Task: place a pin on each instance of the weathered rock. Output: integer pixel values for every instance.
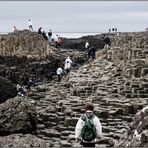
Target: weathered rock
(17, 115)
(137, 134)
(21, 140)
(7, 89)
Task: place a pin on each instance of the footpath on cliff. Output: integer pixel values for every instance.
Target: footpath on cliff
(116, 82)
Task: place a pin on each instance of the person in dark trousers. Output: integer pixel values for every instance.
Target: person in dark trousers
(50, 35)
(107, 41)
(30, 84)
(93, 53)
(44, 35)
(88, 52)
(40, 31)
(80, 134)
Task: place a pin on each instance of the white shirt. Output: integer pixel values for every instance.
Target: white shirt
(30, 23)
(81, 123)
(59, 71)
(68, 62)
(86, 45)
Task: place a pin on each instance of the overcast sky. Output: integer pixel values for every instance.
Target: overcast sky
(74, 16)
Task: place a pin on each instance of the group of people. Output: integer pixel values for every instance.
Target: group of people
(43, 33)
(67, 67)
(21, 91)
(112, 30)
(91, 52)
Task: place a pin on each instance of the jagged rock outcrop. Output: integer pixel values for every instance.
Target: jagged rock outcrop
(17, 115)
(7, 89)
(24, 43)
(137, 134)
(109, 82)
(25, 54)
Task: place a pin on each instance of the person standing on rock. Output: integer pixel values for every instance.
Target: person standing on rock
(40, 31)
(88, 128)
(93, 53)
(59, 73)
(107, 42)
(50, 35)
(67, 65)
(30, 25)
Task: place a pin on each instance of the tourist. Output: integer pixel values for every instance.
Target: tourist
(44, 35)
(40, 31)
(30, 25)
(67, 65)
(87, 45)
(20, 90)
(59, 73)
(14, 29)
(93, 53)
(57, 41)
(107, 42)
(115, 29)
(89, 53)
(50, 35)
(109, 30)
(30, 84)
(88, 137)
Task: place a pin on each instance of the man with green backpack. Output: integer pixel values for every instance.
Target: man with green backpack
(88, 127)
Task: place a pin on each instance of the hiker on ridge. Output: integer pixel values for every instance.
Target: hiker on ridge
(30, 25)
(40, 31)
(88, 128)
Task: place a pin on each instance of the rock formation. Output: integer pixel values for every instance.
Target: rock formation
(137, 134)
(17, 115)
(115, 82)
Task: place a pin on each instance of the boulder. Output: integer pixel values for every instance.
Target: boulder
(17, 115)
(7, 89)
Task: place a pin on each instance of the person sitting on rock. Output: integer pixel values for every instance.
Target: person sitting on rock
(59, 73)
(20, 90)
(67, 65)
(88, 128)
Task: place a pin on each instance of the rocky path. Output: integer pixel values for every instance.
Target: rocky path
(60, 104)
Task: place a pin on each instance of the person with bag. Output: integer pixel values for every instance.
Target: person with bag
(88, 127)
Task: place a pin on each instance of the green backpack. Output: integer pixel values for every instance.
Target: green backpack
(88, 132)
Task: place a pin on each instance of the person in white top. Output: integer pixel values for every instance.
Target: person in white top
(14, 29)
(80, 124)
(68, 63)
(59, 73)
(86, 45)
(30, 25)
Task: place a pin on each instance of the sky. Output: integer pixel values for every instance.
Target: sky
(74, 16)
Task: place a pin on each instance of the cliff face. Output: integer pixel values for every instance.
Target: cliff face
(25, 54)
(115, 82)
(24, 43)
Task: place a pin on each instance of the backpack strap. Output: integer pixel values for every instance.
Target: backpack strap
(84, 117)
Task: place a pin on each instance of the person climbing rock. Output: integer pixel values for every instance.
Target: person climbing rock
(30, 84)
(67, 65)
(20, 90)
(59, 73)
(49, 35)
(88, 128)
(93, 53)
